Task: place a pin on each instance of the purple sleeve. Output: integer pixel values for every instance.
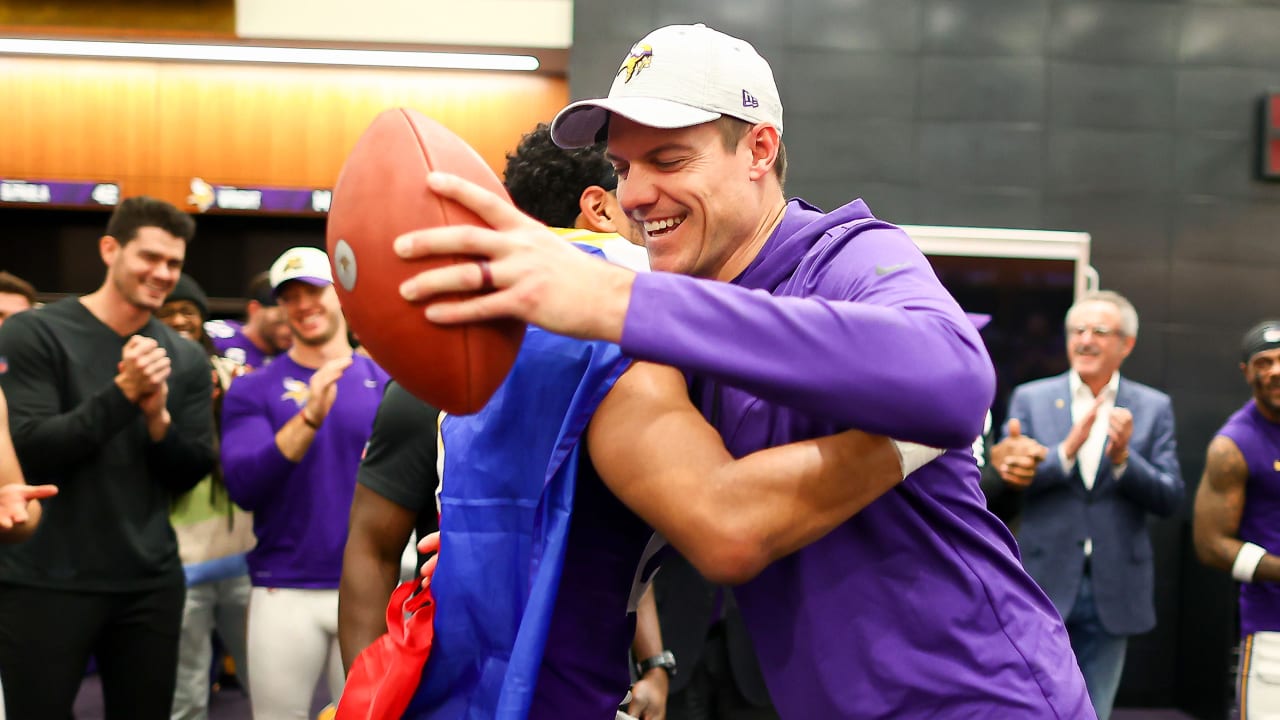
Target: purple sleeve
(252, 465)
(867, 338)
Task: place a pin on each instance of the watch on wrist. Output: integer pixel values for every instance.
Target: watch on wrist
(664, 660)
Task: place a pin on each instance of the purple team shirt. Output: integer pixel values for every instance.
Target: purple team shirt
(230, 341)
(1259, 441)
(918, 606)
(300, 510)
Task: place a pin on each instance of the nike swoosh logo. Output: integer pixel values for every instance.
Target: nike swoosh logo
(886, 269)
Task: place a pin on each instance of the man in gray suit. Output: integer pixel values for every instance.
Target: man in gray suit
(1111, 459)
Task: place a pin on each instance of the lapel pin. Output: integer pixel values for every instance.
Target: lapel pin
(1059, 403)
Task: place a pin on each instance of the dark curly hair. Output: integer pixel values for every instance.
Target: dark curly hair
(546, 181)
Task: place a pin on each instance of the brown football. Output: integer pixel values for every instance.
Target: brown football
(382, 193)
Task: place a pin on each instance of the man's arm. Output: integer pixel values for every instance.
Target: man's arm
(1218, 508)
(730, 518)
(1155, 482)
(650, 691)
(252, 463)
(295, 438)
(856, 363)
(394, 486)
(50, 442)
(19, 502)
(185, 454)
(851, 352)
(379, 531)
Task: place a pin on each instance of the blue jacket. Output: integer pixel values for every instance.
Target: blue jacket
(1060, 513)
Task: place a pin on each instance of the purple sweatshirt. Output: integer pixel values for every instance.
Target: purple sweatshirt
(299, 509)
(917, 606)
(1259, 441)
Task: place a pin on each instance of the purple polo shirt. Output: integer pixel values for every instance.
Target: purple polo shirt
(1259, 441)
(300, 509)
(917, 606)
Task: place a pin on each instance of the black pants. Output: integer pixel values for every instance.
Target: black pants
(47, 636)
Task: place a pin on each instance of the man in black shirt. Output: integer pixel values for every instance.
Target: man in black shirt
(113, 407)
(395, 496)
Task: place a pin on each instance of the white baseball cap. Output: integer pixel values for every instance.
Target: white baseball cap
(308, 264)
(678, 76)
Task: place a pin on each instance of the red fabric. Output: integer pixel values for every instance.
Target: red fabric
(385, 675)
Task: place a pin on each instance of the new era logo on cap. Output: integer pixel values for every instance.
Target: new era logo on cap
(749, 100)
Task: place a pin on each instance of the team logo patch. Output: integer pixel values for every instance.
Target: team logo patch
(640, 58)
(297, 391)
(293, 263)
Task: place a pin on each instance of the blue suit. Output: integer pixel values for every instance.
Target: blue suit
(1115, 598)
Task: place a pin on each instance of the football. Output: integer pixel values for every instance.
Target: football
(381, 194)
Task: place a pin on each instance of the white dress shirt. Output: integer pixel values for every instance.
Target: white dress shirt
(1090, 453)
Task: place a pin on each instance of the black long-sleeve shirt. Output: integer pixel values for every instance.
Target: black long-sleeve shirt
(108, 528)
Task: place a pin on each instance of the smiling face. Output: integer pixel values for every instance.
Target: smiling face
(270, 323)
(313, 313)
(184, 317)
(144, 270)
(699, 206)
(1096, 344)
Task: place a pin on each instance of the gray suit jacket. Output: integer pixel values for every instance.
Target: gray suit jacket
(1059, 513)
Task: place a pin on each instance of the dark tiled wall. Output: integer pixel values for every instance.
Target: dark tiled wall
(1132, 120)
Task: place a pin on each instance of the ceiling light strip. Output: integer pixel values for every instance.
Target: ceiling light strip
(268, 54)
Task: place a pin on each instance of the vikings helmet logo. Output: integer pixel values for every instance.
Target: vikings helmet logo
(640, 58)
(202, 195)
(297, 391)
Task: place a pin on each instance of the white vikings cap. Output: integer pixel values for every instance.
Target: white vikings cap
(678, 76)
(308, 264)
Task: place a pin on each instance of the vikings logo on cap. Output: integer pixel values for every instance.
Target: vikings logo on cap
(640, 58)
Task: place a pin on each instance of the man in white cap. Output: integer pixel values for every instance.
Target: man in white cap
(790, 324)
(292, 436)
